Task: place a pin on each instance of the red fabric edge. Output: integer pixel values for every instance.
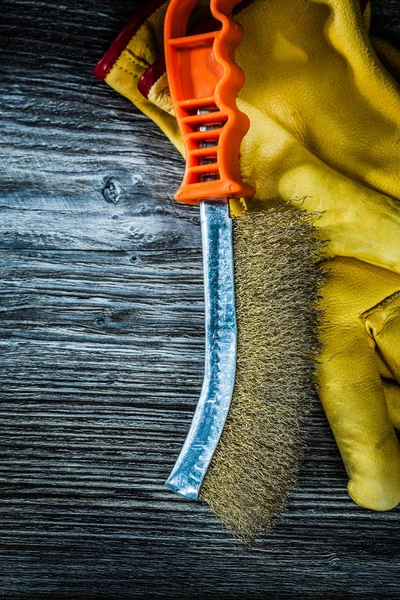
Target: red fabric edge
(153, 74)
(105, 64)
(148, 79)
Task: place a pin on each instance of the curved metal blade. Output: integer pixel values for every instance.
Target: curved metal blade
(220, 352)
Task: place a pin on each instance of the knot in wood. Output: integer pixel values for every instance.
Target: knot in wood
(112, 190)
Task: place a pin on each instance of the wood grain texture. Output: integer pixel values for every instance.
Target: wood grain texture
(101, 349)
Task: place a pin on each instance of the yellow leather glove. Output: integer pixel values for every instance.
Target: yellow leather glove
(324, 114)
(325, 124)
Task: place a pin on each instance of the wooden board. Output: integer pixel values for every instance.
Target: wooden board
(102, 354)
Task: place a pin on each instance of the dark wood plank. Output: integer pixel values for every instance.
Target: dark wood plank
(386, 20)
(101, 349)
(83, 169)
(100, 376)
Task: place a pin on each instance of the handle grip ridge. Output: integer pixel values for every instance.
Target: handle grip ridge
(204, 81)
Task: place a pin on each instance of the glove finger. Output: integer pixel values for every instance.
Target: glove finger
(354, 402)
(351, 389)
(280, 167)
(392, 395)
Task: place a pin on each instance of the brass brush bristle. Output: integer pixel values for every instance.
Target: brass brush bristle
(256, 462)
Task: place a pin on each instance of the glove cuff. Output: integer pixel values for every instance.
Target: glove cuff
(122, 41)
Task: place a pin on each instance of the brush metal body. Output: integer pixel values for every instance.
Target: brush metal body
(220, 353)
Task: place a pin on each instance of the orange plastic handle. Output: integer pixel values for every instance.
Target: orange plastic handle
(204, 82)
